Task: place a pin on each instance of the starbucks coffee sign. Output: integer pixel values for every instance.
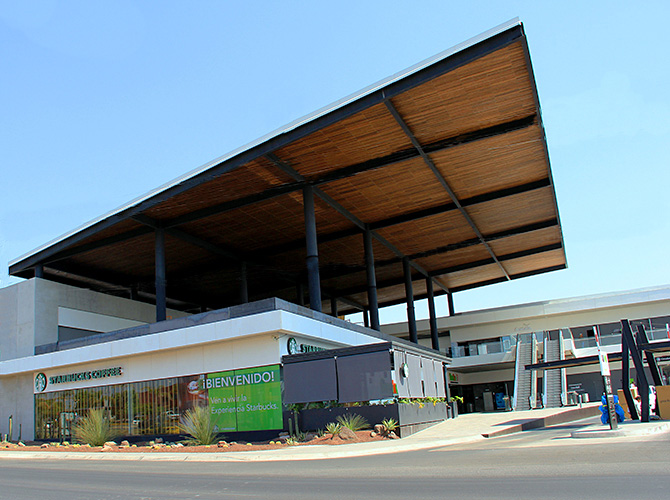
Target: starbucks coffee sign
(293, 347)
(41, 380)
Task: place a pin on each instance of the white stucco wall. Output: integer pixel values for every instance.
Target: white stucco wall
(49, 296)
(17, 320)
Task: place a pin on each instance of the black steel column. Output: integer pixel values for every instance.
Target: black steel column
(333, 307)
(409, 296)
(300, 293)
(432, 317)
(450, 303)
(39, 271)
(366, 319)
(625, 379)
(651, 360)
(642, 384)
(313, 280)
(160, 276)
(372, 279)
(244, 287)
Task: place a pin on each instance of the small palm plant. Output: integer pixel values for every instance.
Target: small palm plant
(390, 425)
(333, 428)
(197, 423)
(94, 429)
(353, 421)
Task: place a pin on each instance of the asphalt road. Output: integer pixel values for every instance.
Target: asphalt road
(538, 464)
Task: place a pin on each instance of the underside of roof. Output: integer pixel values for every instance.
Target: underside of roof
(447, 166)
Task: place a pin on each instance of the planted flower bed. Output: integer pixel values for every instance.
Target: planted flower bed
(411, 417)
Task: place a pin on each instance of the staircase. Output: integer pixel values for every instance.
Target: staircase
(525, 381)
(552, 380)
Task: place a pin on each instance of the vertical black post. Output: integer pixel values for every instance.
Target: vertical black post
(313, 280)
(409, 296)
(642, 384)
(39, 271)
(244, 286)
(649, 356)
(300, 293)
(333, 307)
(372, 280)
(432, 317)
(160, 275)
(625, 379)
(450, 303)
(366, 319)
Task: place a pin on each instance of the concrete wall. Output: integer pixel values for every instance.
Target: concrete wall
(50, 295)
(16, 398)
(17, 321)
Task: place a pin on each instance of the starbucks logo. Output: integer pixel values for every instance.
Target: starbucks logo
(40, 382)
(292, 346)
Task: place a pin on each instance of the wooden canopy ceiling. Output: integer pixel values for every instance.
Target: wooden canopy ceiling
(447, 165)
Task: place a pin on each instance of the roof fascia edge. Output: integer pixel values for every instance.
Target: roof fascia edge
(452, 58)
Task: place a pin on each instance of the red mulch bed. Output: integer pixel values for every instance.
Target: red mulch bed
(361, 437)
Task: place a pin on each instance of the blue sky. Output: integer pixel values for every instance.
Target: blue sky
(104, 101)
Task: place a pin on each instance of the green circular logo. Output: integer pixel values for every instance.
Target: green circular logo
(40, 382)
(292, 346)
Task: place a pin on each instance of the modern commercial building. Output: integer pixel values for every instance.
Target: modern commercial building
(433, 181)
(484, 345)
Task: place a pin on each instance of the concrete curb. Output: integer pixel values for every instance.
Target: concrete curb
(626, 429)
(558, 418)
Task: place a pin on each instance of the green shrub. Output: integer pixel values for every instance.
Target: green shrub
(198, 424)
(353, 421)
(390, 425)
(94, 429)
(333, 428)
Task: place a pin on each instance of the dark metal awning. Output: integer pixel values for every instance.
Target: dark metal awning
(446, 165)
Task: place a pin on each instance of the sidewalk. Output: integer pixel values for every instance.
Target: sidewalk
(467, 428)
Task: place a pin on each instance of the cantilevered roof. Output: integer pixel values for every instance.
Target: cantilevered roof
(446, 163)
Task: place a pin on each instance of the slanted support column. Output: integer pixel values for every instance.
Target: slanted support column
(160, 276)
(450, 303)
(372, 280)
(313, 280)
(642, 383)
(244, 287)
(333, 307)
(39, 271)
(432, 317)
(409, 295)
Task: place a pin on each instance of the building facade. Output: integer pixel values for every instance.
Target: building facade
(483, 344)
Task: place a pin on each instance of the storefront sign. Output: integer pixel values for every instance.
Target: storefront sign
(40, 378)
(294, 348)
(245, 400)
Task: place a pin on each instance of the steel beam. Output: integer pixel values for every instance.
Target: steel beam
(160, 276)
(409, 297)
(312, 259)
(333, 307)
(372, 280)
(450, 303)
(244, 285)
(432, 316)
(642, 383)
(642, 339)
(429, 162)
